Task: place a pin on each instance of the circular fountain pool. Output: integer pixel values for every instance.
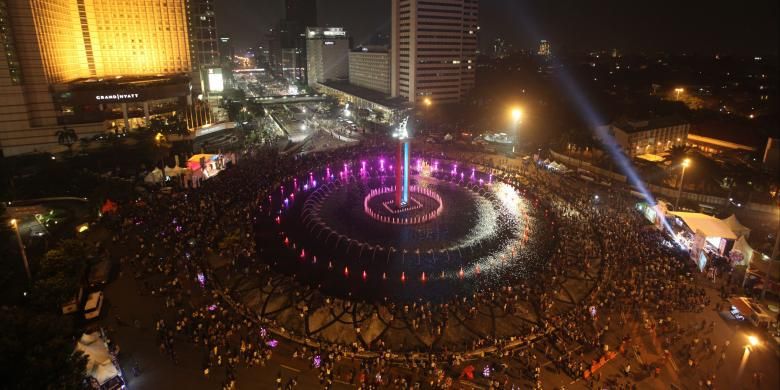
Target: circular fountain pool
(460, 231)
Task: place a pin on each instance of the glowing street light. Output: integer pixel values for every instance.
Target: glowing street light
(427, 102)
(517, 116)
(753, 340)
(15, 225)
(678, 91)
(685, 164)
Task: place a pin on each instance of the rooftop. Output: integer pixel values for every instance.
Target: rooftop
(733, 132)
(636, 126)
(368, 94)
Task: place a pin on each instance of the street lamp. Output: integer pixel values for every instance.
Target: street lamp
(679, 91)
(685, 164)
(517, 116)
(428, 102)
(15, 224)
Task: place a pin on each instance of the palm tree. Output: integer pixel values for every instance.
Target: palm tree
(677, 154)
(67, 137)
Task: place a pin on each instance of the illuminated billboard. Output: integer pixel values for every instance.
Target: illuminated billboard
(215, 81)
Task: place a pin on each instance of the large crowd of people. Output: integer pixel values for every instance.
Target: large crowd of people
(175, 242)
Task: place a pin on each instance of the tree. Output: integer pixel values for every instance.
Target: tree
(38, 351)
(67, 137)
(59, 274)
(677, 154)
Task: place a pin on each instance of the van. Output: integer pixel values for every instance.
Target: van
(93, 306)
(72, 305)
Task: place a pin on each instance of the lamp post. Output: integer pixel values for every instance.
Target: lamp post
(15, 224)
(517, 116)
(678, 91)
(685, 164)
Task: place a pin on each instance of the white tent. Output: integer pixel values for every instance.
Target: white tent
(711, 227)
(175, 171)
(742, 246)
(154, 176)
(99, 364)
(736, 227)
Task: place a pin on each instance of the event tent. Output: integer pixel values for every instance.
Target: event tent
(710, 227)
(194, 162)
(99, 363)
(735, 226)
(154, 176)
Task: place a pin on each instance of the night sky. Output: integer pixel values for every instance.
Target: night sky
(693, 26)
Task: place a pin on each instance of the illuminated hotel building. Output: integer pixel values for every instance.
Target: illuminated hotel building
(92, 65)
(434, 49)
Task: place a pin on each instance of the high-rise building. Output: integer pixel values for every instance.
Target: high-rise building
(227, 52)
(293, 65)
(434, 49)
(299, 14)
(90, 65)
(204, 46)
(327, 54)
(370, 69)
(544, 48)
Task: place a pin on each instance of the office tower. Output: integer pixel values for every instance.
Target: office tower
(544, 48)
(203, 32)
(204, 46)
(434, 49)
(327, 54)
(87, 64)
(370, 69)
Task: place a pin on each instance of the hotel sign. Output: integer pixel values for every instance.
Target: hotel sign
(117, 97)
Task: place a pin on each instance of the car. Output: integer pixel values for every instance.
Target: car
(100, 273)
(93, 306)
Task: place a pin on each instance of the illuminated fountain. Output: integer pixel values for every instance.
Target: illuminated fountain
(384, 218)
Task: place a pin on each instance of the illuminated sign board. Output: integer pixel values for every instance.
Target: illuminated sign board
(216, 82)
(326, 32)
(117, 97)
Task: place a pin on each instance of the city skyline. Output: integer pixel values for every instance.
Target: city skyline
(697, 27)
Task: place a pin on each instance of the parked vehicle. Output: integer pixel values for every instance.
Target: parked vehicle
(72, 305)
(100, 274)
(94, 305)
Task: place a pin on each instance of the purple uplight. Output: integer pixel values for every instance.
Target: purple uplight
(272, 343)
(317, 361)
(201, 279)
(212, 307)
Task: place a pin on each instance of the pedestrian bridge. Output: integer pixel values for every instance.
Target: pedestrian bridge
(287, 99)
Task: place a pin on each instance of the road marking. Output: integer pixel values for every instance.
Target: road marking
(290, 368)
